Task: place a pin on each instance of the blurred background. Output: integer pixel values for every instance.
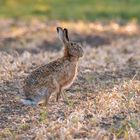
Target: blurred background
(71, 10)
(28, 23)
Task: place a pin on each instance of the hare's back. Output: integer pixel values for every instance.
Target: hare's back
(42, 74)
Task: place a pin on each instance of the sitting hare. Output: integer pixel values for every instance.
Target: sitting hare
(55, 76)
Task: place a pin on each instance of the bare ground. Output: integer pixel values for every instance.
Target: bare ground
(104, 101)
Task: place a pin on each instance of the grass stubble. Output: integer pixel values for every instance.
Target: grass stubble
(104, 101)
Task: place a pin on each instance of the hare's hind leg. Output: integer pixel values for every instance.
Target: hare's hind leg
(49, 94)
(53, 88)
(58, 94)
(28, 92)
(47, 98)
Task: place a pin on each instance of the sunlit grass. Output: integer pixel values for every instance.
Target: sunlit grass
(70, 9)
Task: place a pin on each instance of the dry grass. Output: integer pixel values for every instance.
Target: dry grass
(104, 101)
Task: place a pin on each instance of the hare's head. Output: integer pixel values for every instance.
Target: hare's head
(71, 48)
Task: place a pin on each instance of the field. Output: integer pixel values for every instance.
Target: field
(103, 102)
(71, 10)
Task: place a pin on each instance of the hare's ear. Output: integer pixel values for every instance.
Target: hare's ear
(61, 35)
(66, 34)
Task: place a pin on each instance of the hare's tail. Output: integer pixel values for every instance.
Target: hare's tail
(28, 102)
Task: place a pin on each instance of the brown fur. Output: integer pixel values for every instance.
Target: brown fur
(56, 75)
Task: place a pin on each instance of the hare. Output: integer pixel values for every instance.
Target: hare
(55, 76)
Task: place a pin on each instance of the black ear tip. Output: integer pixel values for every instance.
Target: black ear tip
(65, 29)
(66, 33)
(58, 29)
